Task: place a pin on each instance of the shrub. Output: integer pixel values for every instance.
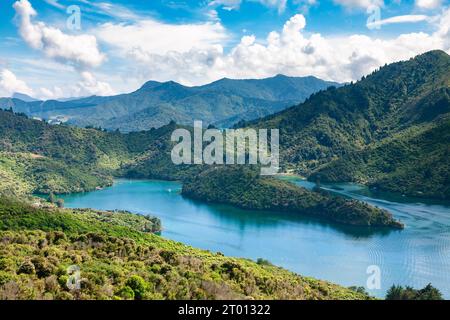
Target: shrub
(42, 266)
(27, 267)
(126, 293)
(138, 285)
(60, 203)
(6, 263)
(263, 262)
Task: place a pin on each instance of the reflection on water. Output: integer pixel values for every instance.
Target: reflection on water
(415, 256)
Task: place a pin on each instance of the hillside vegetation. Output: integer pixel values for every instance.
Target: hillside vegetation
(246, 188)
(389, 130)
(41, 158)
(119, 258)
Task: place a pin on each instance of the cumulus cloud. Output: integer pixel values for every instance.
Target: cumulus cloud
(89, 85)
(154, 37)
(291, 52)
(10, 84)
(428, 4)
(80, 50)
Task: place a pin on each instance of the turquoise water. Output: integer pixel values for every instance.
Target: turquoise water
(415, 256)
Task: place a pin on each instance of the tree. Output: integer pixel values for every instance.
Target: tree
(60, 203)
(52, 197)
(409, 293)
(430, 293)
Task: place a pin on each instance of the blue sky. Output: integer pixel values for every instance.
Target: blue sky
(122, 44)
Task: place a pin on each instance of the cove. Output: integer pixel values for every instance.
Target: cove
(415, 256)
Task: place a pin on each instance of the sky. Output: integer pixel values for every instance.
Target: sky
(52, 49)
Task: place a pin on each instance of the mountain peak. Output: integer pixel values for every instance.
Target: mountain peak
(434, 53)
(151, 84)
(23, 97)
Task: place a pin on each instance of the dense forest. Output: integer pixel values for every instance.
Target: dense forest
(389, 130)
(246, 188)
(38, 158)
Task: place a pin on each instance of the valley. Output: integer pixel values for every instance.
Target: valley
(389, 132)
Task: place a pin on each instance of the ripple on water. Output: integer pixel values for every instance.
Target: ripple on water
(415, 256)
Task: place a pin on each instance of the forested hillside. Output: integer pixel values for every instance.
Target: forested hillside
(244, 187)
(389, 121)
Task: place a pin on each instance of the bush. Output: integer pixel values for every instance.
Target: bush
(138, 285)
(263, 262)
(42, 266)
(126, 293)
(26, 267)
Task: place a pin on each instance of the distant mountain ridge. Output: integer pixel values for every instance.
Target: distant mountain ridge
(221, 103)
(23, 97)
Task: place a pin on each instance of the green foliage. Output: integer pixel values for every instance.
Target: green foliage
(389, 130)
(427, 293)
(414, 162)
(138, 285)
(126, 293)
(244, 187)
(119, 261)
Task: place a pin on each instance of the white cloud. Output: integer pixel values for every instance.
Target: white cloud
(194, 54)
(55, 4)
(359, 3)
(399, 19)
(89, 85)
(428, 4)
(292, 52)
(226, 4)
(153, 37)
(80, 50)
(280, 5)
(110, 9)
(10, 84)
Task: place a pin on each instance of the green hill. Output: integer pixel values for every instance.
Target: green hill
(385, 115)
(119, 258)
(244, 187)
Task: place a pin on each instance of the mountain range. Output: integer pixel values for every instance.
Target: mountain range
(221, 103)
(390, 131)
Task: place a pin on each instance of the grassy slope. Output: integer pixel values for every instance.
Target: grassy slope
(118, 261)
